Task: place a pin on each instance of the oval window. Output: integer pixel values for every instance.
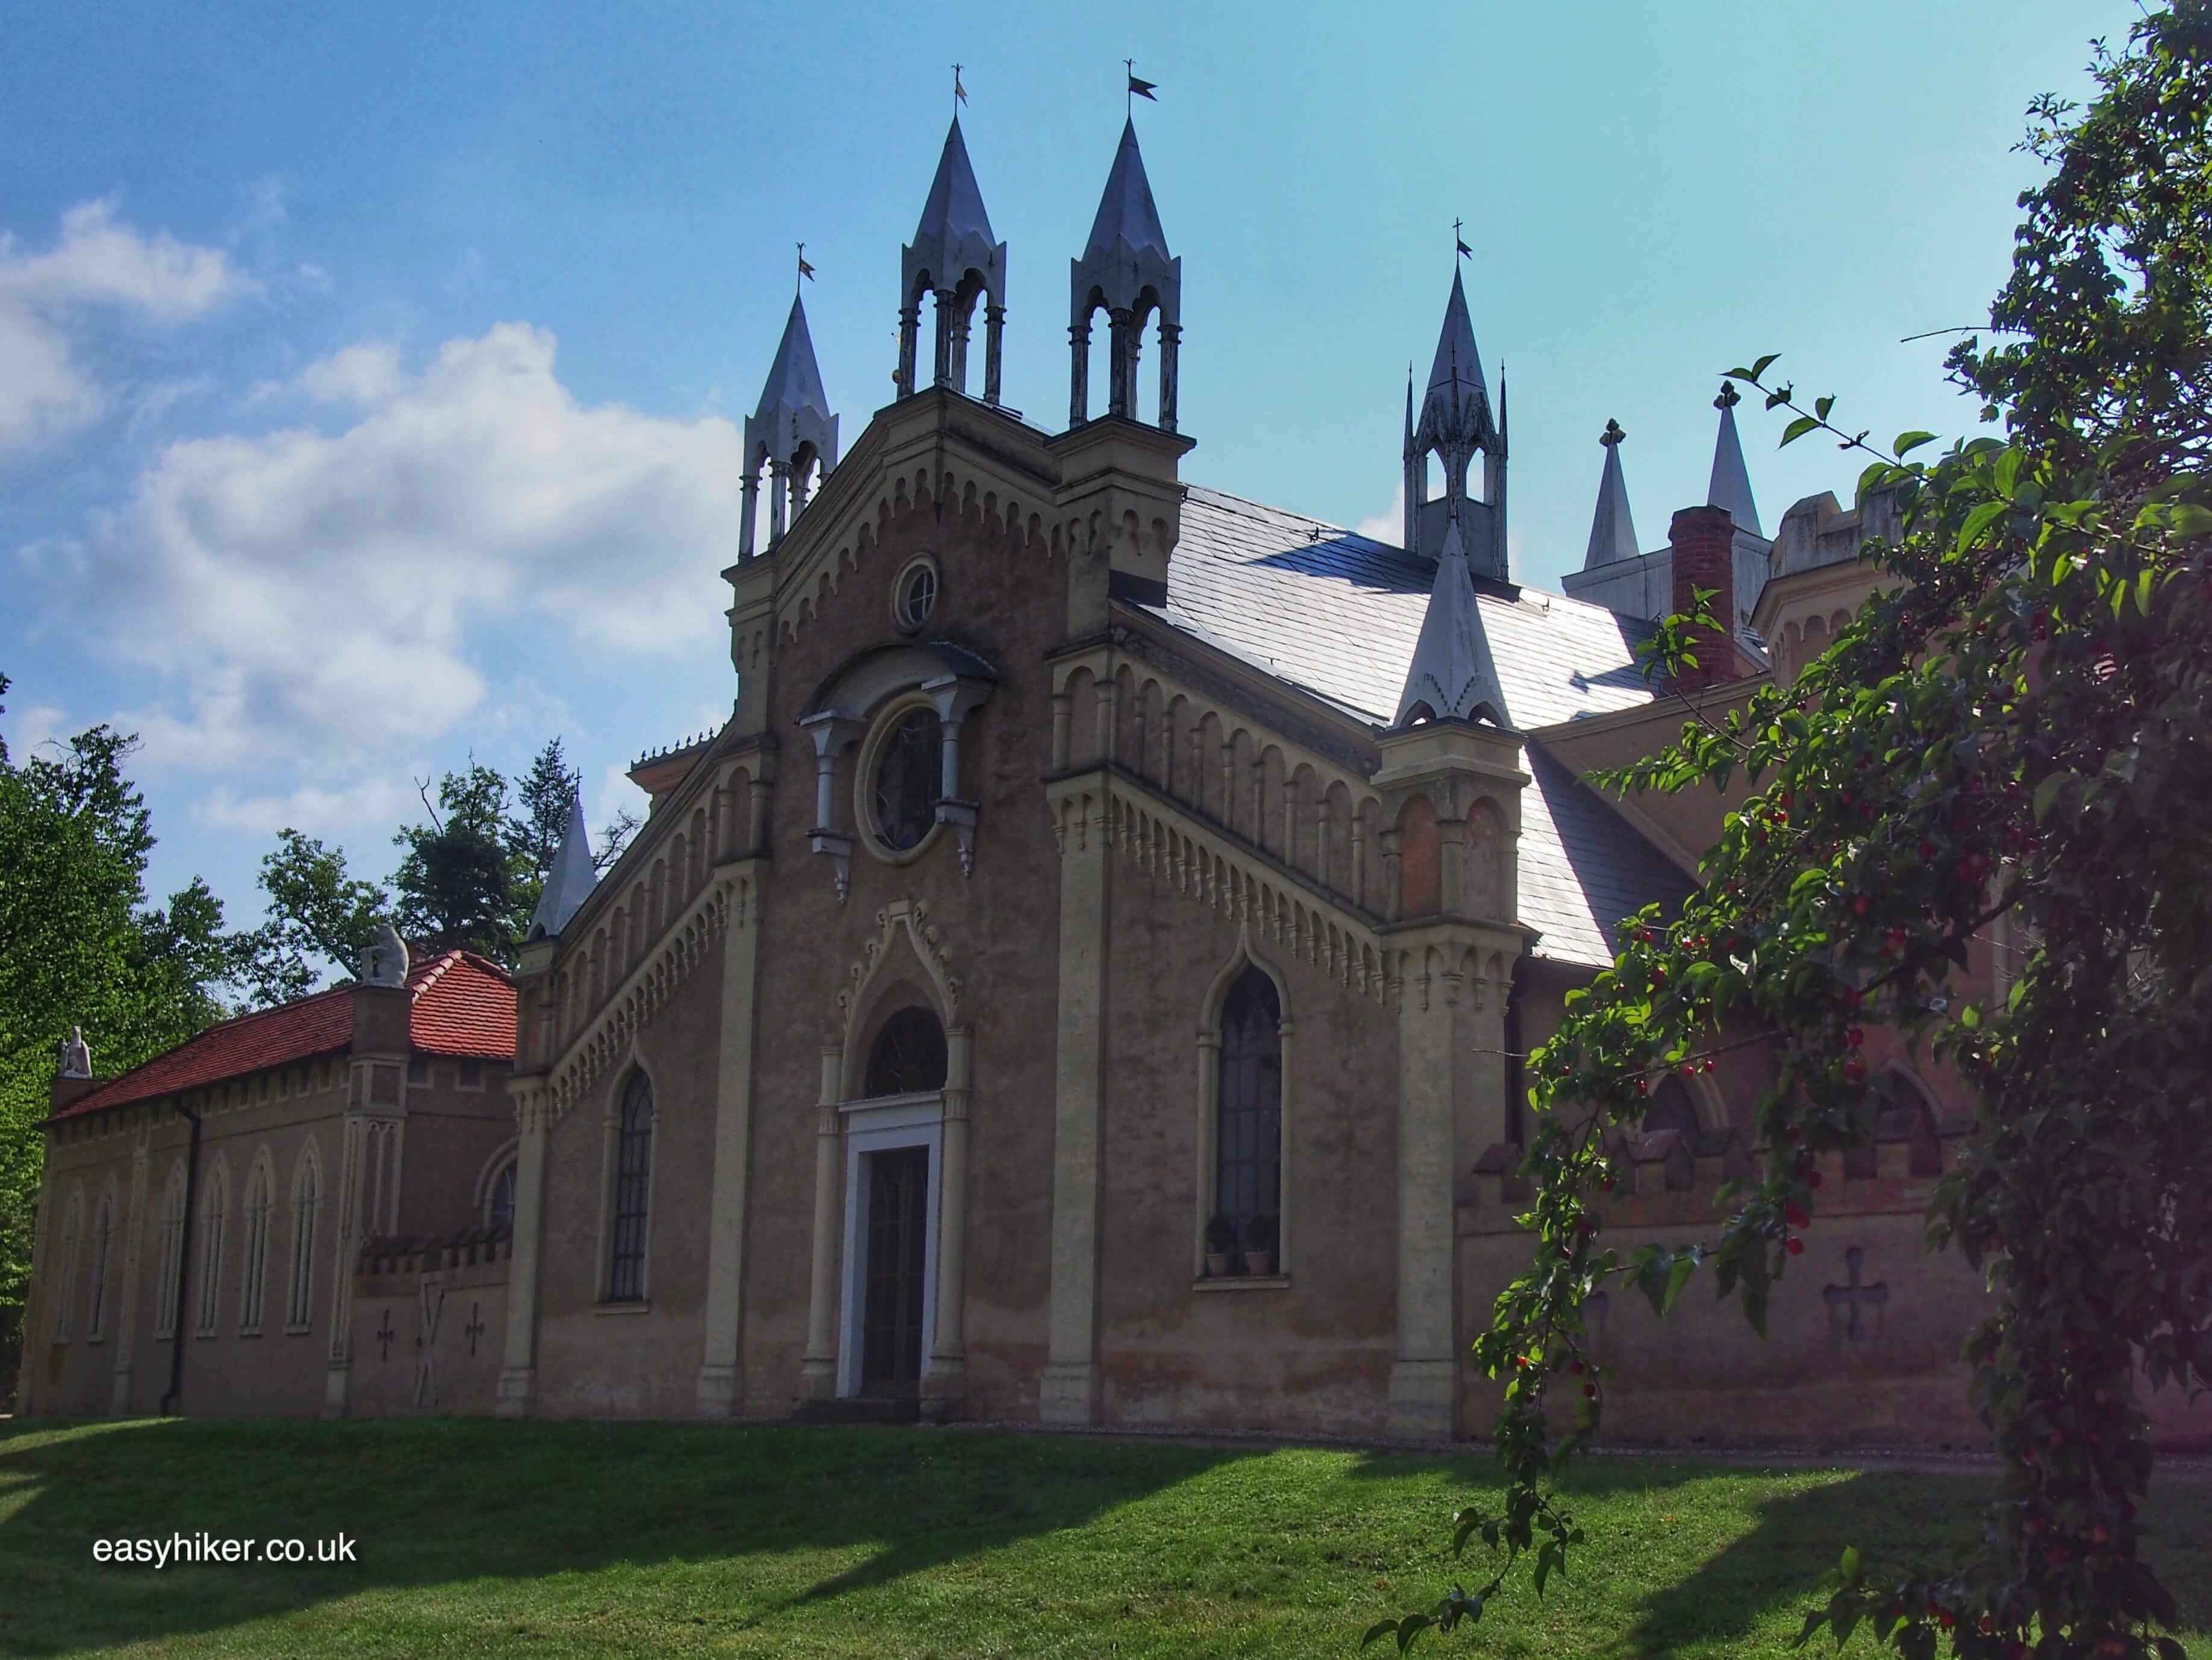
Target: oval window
(917, 596)
(908, 769)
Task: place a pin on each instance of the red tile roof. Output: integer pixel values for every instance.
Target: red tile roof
(460, 1004)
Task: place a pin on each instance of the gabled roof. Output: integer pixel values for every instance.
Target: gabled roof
(1126, 210)
(1451, 675)
(460, 1004)
(1338, 614)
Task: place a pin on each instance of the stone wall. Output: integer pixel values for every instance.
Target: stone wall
(429, 1322)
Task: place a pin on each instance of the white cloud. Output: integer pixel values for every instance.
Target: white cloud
(1389, 524)
(310, 809)
(44, 389)
(321, 599)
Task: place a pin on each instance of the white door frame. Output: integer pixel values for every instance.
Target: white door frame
(883, 1125)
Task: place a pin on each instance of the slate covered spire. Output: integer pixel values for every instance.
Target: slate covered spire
(1731, 483)
(955, 257)
(1452, 676)
(791, 429)
(569, 882)
(1455, 424)
(1613, 528)
(1127, 271)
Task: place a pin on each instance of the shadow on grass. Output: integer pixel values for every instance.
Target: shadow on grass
(438, 1502)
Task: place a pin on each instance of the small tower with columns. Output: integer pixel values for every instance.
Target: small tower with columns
(1453, 422)
(792, 430)
(1125, 271)
(955, 257)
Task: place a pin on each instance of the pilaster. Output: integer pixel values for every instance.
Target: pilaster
(134, 1255)
(721, 1372)
(817, 1367)
(518, 1372)
(944, 1379)
(1070, 1393)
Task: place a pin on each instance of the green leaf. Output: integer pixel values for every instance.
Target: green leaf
(1797, 428)
(1906, 442)
(1686, 1264)
(1760, 366)
(1410, 1628)
(2190, 520)
(1979, 520)
(1822, 405)
(2046, 794)
(1850, 1564)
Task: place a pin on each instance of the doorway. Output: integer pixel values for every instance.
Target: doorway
(897, 1239)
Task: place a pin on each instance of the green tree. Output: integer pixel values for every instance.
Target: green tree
(79, 947)
(462, 881)
(320, 919)
(2019, 728)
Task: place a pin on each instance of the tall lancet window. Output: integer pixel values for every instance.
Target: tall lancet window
(103, 1234)
(214, 1201)
(173, 1245)
(250, 1290)
(633, 1192)
(1248, 1107)
(298, 1308)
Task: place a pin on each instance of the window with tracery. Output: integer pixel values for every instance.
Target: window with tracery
(1249, 1106)
(103, 1231)
(300, 1310)
(632, 1191)
(910, 771)
(908, 1056)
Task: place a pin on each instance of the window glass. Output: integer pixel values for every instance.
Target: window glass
(908, 769)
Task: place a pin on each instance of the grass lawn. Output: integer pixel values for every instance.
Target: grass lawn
(480, 1538)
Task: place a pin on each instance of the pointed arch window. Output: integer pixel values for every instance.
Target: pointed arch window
(1671, 1109)
(633, 1192)
(1901, 1113)
(103, 1234)
(215, 1203)
(498, 1204)
(72, 1228)
(307, 1197)
(908, 1056)
(1248, 1185)
(251, 1289)
(173, 1245)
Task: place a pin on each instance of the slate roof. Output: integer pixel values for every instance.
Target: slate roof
(460, 1004)
(1338, 614)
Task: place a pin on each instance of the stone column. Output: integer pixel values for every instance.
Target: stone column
(1423, 1376)
(946, 299)
(518, 1373)
(1079, 374)
(909, 333)
(1120, 393)
(748, 512)
(134, 1251)
(817, 1368)
(945, 1382)
(1070, 1391)
(721, 1372)
(776, 492)
(963, 322)
(994, 325)
(1171, 351)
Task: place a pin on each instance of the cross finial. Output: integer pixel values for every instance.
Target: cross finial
(1612, 435)
(959, 92)
(1129, 97)
(1460, 249)
(1729, 396)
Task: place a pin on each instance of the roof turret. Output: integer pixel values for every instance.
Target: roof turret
(1731, 483)
(1612, 529)
(791, 429)
(1452, 676)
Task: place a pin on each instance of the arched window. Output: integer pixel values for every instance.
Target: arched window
(72, 1228)
(1901, 1114)
(103, 1231)
(306, 1195)
(499, 1205)
(632, 1191)
(257, 1199)
(908, 1056)
(173, 1245)
(1248, 1107)
(1671, 1109)
(909, 770)
(213, 1203)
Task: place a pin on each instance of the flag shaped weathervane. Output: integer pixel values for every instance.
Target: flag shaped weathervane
(959, 92)
(1460, 242)
(804, 269)
(1139, 88)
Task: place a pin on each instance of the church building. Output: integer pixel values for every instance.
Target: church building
(1084, 982)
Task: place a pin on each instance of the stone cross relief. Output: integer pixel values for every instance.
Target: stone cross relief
(430, 1303)
(384, 1336)
(1856, 1295)
(475, 1328)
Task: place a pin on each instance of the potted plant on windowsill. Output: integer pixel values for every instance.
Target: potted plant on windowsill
(1259, 1247)
(1220, 1242)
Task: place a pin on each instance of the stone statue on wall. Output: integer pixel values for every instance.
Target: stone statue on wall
(76, 1061)
(385, 962)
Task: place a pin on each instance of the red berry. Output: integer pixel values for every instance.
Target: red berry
(1812, 1178)
(1794, 1214)
(1854, 1037)
(1861, 904)
(1591, 1390)
(1794, 1245)
(1855, 1071)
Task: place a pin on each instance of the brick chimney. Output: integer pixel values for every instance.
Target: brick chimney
(1704, 541)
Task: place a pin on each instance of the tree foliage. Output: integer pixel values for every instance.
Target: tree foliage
(81, 946)
(2015, 727)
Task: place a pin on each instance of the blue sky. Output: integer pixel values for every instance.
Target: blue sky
(367, 374)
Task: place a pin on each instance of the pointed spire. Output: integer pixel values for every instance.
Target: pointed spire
(1731, 483)
(794, 379)
(1458, 366)
(1613, 528)
(570, 882)
(1454, 423)
(954, 212)
(1127, 213)
(1452, 675)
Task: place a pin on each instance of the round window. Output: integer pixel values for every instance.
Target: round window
(908, 769)
(916, 595)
